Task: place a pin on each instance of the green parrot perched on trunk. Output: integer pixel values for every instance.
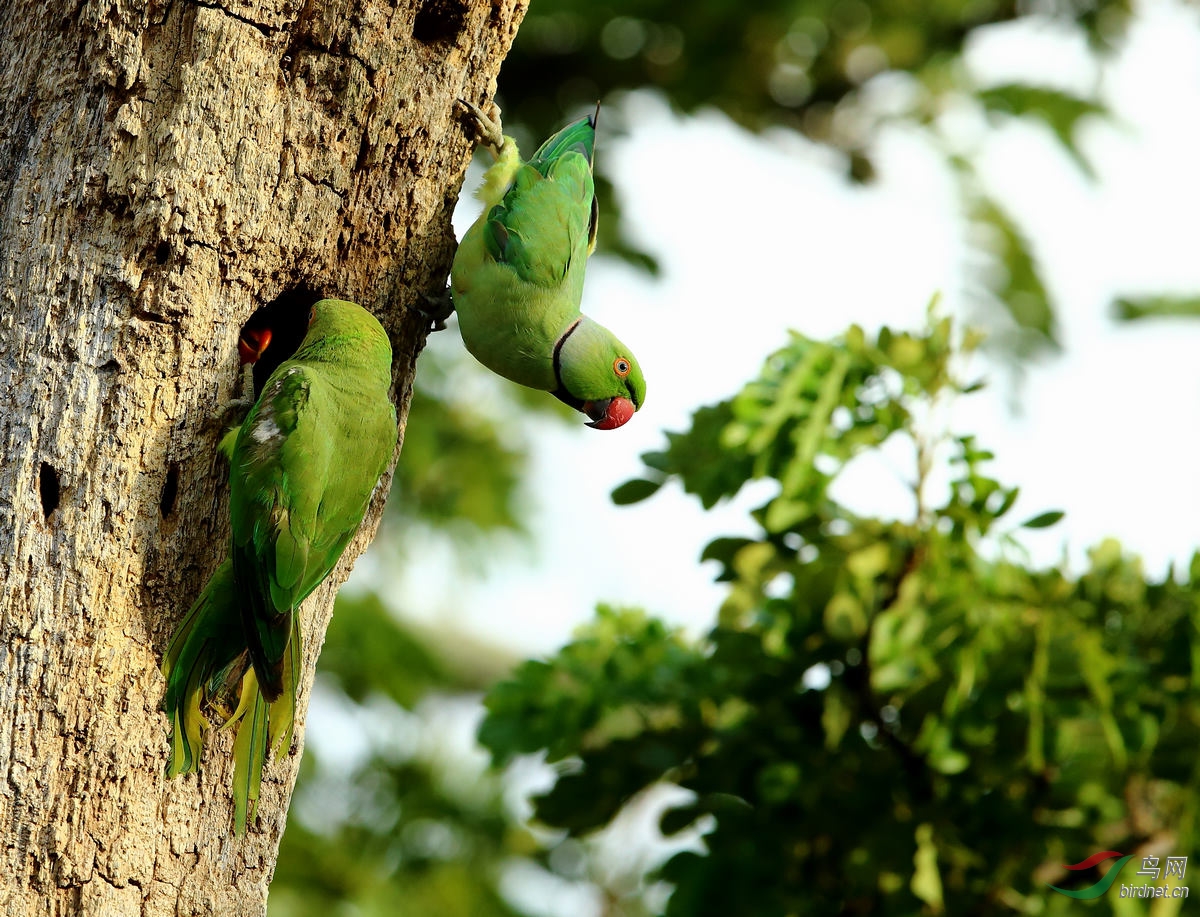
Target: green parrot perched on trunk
(303, 466)
(517, 279)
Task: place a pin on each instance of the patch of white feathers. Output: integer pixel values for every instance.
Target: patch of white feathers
(265, 428)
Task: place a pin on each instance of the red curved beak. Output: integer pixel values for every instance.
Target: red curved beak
(252, 344)
(609, 413)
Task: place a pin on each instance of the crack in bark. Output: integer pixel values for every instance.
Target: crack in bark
(266, 30)
(325, 183)
(155, 318)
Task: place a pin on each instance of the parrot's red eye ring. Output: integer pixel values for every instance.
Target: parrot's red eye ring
(621, 367)
(312, 315)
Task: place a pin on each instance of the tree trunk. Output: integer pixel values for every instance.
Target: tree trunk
(166, 168)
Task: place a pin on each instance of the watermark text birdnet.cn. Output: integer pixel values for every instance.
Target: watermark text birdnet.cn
(1175, 866)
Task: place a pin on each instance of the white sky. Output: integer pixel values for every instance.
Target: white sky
(758, 235)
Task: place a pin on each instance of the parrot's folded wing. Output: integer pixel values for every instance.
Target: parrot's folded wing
(269, 554)
(536, 229)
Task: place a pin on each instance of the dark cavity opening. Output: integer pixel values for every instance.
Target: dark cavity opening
(48, 489)
(162, 252)
(440, 21)
(282, 324)
(166, 503)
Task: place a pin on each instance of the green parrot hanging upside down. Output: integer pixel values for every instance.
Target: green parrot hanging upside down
(303, 467)
(517, 279)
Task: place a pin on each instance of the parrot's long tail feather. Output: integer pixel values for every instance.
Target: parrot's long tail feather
(265, 726)
(249, 751)
(205, 642)
(283, 711)
(578, 136)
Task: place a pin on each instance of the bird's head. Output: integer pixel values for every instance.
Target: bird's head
(598, 375)
(253, 343)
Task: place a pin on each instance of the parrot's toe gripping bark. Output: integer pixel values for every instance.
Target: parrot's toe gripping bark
(481, 128)
(232, 413)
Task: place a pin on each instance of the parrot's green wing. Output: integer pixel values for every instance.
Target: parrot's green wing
(276, 457)
(549, 208)
(283, 711)
(577, 137)
(305, 464)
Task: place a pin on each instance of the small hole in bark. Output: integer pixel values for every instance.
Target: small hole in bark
(48, 489)
(170, 491)
(440, 21)
(281, 324)
(162, 252)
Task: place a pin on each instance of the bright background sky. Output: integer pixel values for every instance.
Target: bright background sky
(758, 235)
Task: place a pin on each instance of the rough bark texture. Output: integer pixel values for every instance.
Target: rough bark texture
(166, 168)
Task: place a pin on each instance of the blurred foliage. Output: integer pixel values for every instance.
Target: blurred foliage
(890, 716)
(809, 65)
(1059, 111)
(398, 832)
(461, 466)
(785, 62)
(406, 847)
(415, 824)
(1132, 309)
(1016, 285)
(367, 654)
(456, 468)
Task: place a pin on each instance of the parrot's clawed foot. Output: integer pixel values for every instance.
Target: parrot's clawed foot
(436, 307)
(481, 128)
(229, 419)
(232, 414)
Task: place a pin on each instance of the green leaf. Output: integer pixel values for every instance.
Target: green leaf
(724, 549)
(1060, 110)
(836, 716)
(1132, 309)
(845, 618)
(635, 491)
(1010, 497)
(1020, 289)
(783, 514)
(927, 880)
(1043, 520)
(659, 461)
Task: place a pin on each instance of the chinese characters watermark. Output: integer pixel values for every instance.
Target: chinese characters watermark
(1176, 866)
